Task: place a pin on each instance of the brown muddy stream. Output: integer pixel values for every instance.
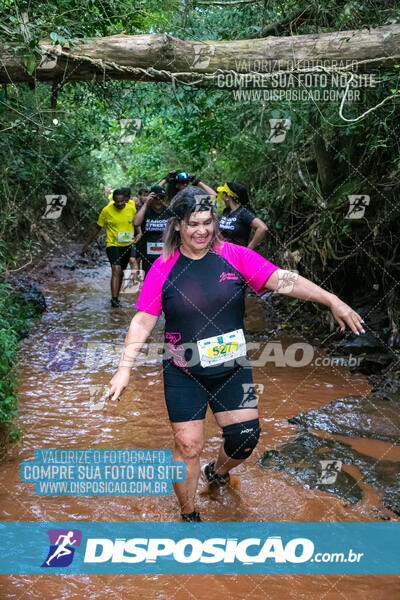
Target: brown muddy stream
(54, 412)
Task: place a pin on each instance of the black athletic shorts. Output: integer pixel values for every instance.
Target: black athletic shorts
(187, 396)
(120, 255)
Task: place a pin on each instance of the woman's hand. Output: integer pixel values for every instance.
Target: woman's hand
(118, 383)
(344, 314)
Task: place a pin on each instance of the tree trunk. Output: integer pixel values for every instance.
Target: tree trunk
(160, 57)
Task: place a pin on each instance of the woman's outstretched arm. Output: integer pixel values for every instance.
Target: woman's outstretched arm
(139, 330)
(293, 284)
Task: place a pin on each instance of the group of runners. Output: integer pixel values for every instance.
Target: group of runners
(198, 266)
(135, 227)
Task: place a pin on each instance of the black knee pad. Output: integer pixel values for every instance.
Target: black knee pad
(241, 438)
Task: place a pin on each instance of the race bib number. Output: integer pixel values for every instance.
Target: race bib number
(125, 236)
(221, 348)
(155, 247)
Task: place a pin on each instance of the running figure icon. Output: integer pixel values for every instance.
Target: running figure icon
(62, 549)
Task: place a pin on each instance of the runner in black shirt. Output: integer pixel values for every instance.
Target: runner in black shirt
(152, 217)
(238, 219)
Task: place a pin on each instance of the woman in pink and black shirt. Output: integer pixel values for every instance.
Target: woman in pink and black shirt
(199, 283)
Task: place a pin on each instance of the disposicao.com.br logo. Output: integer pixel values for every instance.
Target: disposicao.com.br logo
(247, 551)
(204, 548)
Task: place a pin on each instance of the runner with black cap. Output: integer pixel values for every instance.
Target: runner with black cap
(152, 218)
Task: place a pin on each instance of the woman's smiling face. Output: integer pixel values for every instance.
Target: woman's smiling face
(197, 231)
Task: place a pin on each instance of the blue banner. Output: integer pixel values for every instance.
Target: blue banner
(205, 548)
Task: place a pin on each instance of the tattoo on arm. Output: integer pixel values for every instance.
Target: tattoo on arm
(286, 281)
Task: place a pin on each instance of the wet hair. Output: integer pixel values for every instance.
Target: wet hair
(122, 192)
(242, 193)
(184, 204)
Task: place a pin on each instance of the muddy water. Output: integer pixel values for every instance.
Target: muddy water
(55, 413)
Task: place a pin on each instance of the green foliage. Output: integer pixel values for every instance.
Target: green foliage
(17, 317)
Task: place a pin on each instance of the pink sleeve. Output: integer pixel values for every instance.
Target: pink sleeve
(255, 268)
(149, 300)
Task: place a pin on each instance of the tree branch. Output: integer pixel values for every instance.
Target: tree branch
(160, 57)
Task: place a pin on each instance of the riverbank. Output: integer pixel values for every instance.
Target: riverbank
(21, 303)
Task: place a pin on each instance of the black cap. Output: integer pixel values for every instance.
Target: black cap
(158, 190)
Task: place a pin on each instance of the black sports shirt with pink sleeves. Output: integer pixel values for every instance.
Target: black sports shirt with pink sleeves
(203, 303)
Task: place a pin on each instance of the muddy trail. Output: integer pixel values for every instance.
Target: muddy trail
(73, 351)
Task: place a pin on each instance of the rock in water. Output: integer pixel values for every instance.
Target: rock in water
(372, 417)
(30, 292)
(69, 264)
(301, 458)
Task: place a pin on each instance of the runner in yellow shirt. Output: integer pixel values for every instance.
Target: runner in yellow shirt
(117, 219)
(137, 202)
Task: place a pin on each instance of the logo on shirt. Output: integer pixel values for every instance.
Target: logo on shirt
(176, 349)
(224, 276)
(156, 224)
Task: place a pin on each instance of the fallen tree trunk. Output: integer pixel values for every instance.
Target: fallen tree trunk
(160, 57)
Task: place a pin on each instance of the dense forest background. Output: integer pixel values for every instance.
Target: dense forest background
(68, 139)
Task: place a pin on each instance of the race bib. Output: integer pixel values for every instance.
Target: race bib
(155, 247)
(221, 348)
(125, 236)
